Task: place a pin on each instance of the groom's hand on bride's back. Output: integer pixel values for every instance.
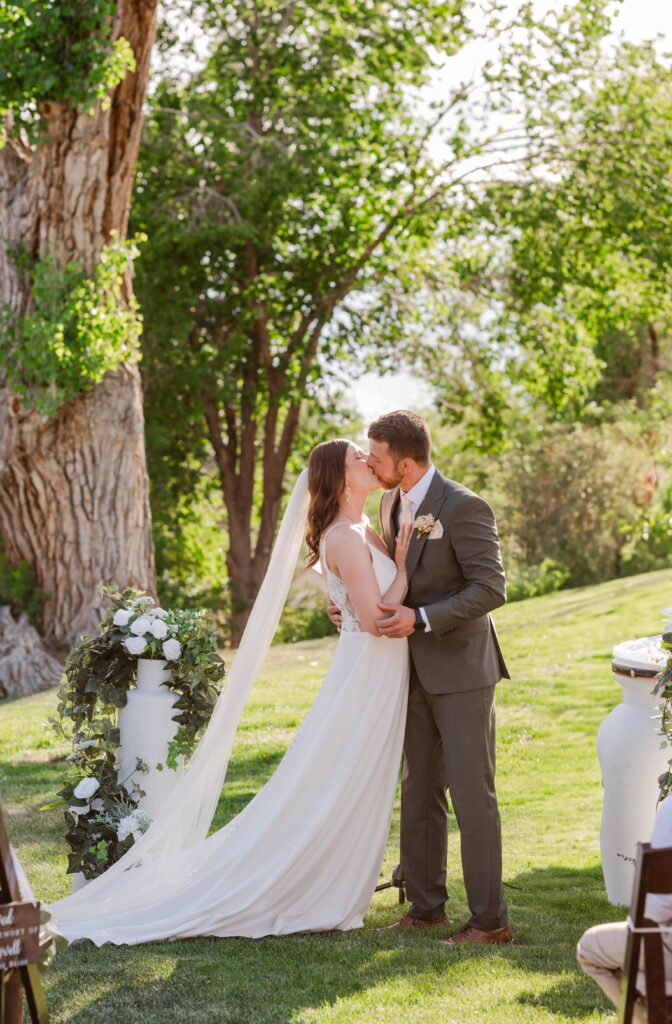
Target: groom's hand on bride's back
(398, 620)
(334, 614)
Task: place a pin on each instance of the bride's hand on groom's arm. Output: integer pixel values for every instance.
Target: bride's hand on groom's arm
(398, 621)
(334, 614)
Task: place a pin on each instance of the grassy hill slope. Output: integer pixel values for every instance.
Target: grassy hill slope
(558, 649)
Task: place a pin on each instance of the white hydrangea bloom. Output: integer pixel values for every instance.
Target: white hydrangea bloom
(128, 826)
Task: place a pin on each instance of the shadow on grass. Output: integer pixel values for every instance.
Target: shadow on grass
(570, 998)
(277, 980)
(551, 909)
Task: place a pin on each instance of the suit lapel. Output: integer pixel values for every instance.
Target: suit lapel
(431, 506)
(388, 519)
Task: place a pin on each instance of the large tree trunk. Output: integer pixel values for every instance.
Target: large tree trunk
(73, 489)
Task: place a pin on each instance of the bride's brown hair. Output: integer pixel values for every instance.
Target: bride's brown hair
(326, 482)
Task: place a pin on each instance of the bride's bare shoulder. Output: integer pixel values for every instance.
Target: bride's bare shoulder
(345, 545)
(346, 536)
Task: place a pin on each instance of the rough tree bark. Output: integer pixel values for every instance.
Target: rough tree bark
(73, 489)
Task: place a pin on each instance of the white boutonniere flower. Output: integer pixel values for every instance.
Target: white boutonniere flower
(424, 524)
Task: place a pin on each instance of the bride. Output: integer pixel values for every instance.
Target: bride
(305, 854)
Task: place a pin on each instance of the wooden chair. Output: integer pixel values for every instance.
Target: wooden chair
(17, 980)
(653, 874)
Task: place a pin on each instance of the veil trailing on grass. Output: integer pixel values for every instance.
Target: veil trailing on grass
(186, 818)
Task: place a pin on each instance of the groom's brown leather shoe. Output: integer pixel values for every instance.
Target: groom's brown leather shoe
(416, 922)
(477, 937)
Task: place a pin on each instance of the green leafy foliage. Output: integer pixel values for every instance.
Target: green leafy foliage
(59, 52)
(565, 496)
(574, 503)
(99, 672)
(288, 176)
(19, 590)
(304, 623)
(79, 327)
(545, 578)
(663, 688)
(560, 294)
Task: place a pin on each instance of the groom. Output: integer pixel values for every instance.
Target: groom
(455, 578)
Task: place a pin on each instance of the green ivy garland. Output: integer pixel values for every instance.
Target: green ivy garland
(80, 327)
(99, 672)
(663, 688)
(60, 52)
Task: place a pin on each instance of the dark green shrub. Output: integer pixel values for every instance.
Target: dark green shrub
(19, 590)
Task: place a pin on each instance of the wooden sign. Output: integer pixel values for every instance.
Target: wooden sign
(19, 934)
(26, 979)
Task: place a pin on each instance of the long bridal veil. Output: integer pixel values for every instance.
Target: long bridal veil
(186, 818)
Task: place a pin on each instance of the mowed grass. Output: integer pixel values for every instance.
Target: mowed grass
(559, 652)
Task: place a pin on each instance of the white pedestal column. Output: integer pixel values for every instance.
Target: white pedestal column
(146, 726)
(631, 758)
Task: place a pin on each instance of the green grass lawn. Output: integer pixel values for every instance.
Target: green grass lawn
(559, 651)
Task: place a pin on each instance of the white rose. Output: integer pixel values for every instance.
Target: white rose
(135, 644)
(121, 617)
(141, 624)
(171, 650)
(86, 788)
(79, 810)
(128, 826)
(159, 613)
(159, 629)
(97, 805)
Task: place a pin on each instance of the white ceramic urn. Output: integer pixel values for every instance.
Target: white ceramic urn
(146, 727)
(631, 758)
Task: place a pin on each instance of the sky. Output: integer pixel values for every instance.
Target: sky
(636, 20)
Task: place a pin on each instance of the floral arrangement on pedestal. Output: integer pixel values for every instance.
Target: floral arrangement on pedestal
(663, 688)
(102, 815)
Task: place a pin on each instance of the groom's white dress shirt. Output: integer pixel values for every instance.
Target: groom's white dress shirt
(416, 495)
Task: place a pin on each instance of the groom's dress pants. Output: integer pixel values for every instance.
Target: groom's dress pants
(450, 743)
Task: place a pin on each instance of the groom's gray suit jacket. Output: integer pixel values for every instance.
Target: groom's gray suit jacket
(458, 579)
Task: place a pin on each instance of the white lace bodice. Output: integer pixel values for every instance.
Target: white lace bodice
(383, 566)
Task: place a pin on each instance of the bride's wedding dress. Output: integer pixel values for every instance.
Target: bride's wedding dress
(305, 854)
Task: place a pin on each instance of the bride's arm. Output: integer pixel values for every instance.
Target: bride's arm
(348, 555)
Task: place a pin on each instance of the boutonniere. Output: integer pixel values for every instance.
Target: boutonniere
(424, 524)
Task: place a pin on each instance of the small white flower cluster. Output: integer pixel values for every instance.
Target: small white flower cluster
(133, 824)
(424, 524)
(149, 623)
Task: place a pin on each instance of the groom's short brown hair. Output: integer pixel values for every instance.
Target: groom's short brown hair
(406, 434)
